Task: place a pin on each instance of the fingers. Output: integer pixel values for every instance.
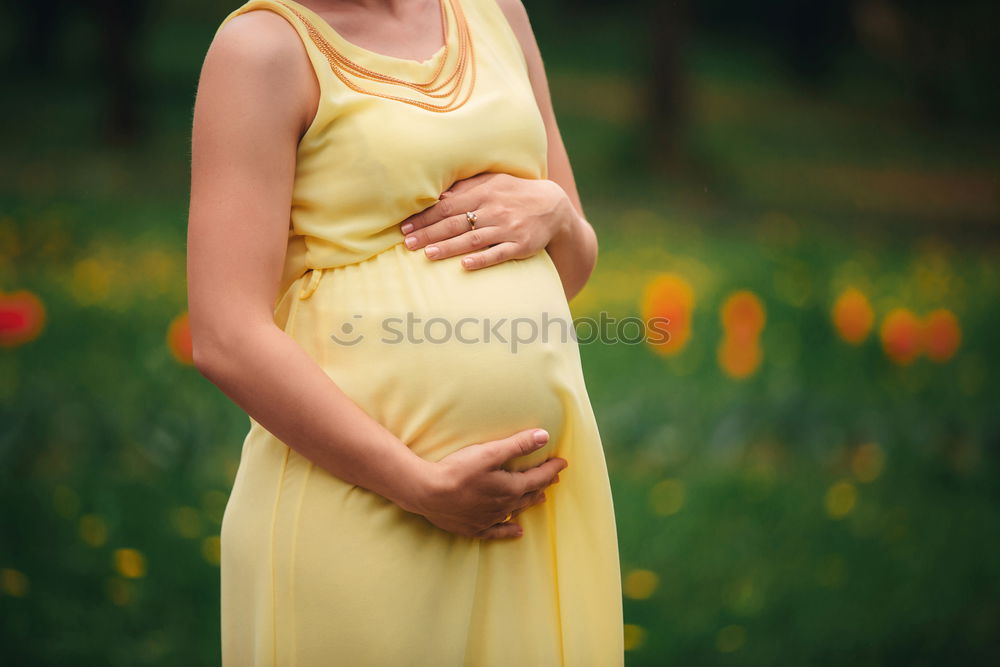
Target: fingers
(501, 531)
(510, 529)
(493, 255)
(519, 444)
(541, 476)
(455, 203)
(530, 500)
(473, 239)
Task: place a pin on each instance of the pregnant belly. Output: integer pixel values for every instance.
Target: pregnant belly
(443, 357)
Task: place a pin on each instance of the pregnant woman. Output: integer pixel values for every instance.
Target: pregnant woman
(383, 237)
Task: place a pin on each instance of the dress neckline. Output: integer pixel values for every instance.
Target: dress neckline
(366, 56)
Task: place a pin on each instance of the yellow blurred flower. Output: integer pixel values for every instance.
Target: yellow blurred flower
(730, 638)
(667, 497)
(187, 521)
(867, 462)
(92, 280)
(93, 530)
(119, 591)
(853, 316)
(13, 583)
(901, 335)
(130, 563)
(635, 636)
(671, 297)
(942, 335)
(640, 584)
(841, 499)
(211, 549)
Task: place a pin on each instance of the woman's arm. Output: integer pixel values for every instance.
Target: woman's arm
(574, 248)
(256, 96)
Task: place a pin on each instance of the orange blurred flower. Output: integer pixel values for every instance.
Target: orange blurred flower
(739, 358)
(902, 336)
(668, 296)
(22, 318)
(852, 316)
(942, 335)
(179, 339)
(743, 316)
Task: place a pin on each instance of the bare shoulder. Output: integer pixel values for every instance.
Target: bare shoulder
(261, 39)
(257, 61)
(517, 16)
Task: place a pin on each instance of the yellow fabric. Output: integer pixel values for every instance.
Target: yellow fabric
(316, 571)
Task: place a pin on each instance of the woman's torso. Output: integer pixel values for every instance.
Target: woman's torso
(441, 356)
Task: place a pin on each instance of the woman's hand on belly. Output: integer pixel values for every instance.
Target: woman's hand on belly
(469, 493)
(516, 217)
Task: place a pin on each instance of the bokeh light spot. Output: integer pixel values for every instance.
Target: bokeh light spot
(853, 316)
(942, 335)
(211, 549)
(668, 297)
(730, 638)
(93, 530)
(901, 335)
(667, 497)
(187, 521)
(22, 318)
(640, 584)
(841, 499)
(13, 582)
(130, 563)
(867, 462)
(179, 339)
(635, 636)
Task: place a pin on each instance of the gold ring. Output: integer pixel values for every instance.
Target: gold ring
(471, 217)
(507, 518)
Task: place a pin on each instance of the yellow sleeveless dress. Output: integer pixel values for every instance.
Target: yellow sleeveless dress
(319, 572)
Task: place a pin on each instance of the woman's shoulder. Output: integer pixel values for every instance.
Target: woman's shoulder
(257, 57)
(258, 29)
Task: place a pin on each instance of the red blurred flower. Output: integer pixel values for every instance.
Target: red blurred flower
(942, 335)
(22, 318)
(668, 296)
(902, 336)
(743, 316)
(179, 339)
(853, 316)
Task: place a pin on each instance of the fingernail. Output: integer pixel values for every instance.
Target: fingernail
(467, 262)
(407, 227)
(432, 251)
(540, 437)
(411, 242)
(519, 532)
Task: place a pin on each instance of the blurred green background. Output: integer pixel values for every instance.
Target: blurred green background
(807, 474)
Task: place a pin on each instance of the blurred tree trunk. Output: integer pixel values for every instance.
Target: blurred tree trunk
(121, 23)
(667, 92)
